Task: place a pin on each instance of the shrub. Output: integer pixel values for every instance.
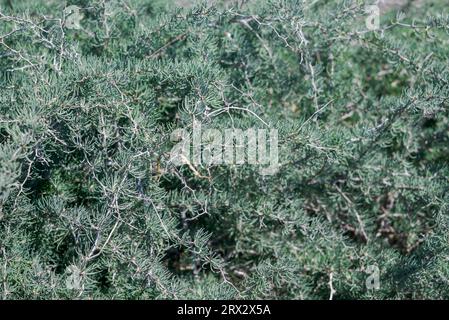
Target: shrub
(92, 207)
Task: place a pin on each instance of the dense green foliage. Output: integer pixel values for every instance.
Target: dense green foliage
(90, 207)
